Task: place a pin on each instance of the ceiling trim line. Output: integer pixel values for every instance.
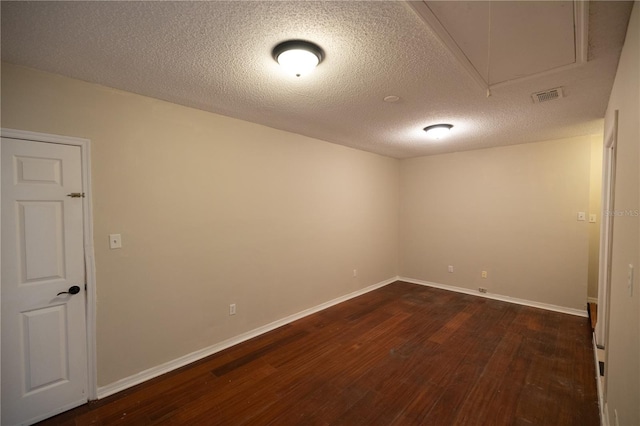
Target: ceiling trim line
(581, 43)
(428, 17)
(537, 75)
(581, 28)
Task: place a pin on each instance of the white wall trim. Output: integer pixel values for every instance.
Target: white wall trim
(166, 367)
(592, 300)
(605, 420)
(609, 154)
(85, 149)
(42, 137)
(502, 298)
(581, 30)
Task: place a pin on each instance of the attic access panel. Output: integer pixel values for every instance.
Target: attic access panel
(503, 41)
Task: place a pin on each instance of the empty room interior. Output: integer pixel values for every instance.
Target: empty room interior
(274, 212)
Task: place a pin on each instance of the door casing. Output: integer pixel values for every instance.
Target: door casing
(89, 257)
(606, 241)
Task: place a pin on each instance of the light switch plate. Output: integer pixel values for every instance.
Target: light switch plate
(592, 218)
(115, 241)
(582, 216)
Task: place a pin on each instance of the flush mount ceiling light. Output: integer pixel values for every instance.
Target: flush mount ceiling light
(438, 131)
(298, 57)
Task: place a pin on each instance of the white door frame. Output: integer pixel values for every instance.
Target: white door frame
(89, 259)
(606, 231)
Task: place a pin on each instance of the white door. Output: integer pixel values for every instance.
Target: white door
(44, 347)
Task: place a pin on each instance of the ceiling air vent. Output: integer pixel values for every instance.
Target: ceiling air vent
(547, 95)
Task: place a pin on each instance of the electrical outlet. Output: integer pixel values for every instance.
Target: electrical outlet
(450, 268)
(355, 272)
(484, 274)
(232, 309)
(115, 241)
(482, 289)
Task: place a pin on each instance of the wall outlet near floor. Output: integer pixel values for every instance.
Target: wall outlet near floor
(482, 289)
(450, 268)
(484, 274)
(232, 309)
(355, 272)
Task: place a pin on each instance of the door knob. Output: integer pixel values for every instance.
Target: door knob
(72, 290)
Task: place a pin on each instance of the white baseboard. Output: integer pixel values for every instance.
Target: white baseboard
(153, 372)
(515, 300)
(592, 300)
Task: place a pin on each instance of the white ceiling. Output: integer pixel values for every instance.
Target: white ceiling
(216, 56)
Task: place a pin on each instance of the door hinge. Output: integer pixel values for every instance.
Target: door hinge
(76, 195)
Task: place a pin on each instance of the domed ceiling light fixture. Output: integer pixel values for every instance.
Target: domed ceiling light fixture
(298, 57)
(438, 131)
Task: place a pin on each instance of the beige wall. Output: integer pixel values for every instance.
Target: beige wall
(510, 211)
(212, 211)
(595, 207)
(623, 344)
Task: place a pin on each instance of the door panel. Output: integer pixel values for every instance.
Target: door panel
(44, 336)
(44, 358)
(40, 236)
(38, 170)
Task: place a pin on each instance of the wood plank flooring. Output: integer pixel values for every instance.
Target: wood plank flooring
(401, 355)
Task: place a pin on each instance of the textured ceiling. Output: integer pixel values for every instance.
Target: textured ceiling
(216, 56)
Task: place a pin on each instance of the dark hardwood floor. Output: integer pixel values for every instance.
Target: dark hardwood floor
(401, 355)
